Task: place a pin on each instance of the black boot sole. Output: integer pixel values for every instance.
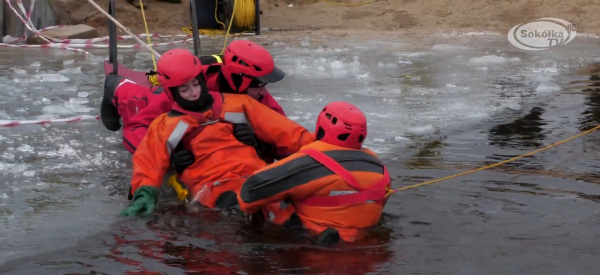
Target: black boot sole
(109, 114)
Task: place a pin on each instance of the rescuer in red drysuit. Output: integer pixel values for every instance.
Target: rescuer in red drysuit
(247, 68)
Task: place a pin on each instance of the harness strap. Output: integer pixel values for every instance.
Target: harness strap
(375, 192)
(333, 166)
(217, 107)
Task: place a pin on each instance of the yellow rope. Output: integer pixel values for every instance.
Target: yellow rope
(244, 20)
(231, 22)
(147, 33)
(390, 191)
(246, 14)
(152, 78)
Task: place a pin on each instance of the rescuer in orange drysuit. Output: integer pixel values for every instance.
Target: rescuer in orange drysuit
(333, 183)
(202, 122)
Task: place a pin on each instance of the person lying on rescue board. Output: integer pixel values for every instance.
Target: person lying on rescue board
(248, 67)
(203, 122)
(334, 184)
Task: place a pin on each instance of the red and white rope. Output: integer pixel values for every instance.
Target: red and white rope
(76, 44)
(12, 123)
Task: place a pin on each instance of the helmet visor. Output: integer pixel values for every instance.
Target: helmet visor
(275, 76)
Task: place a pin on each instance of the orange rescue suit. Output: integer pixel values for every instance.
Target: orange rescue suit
(347, 191)
(222, 162)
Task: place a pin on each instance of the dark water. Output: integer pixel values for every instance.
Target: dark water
(64, 184)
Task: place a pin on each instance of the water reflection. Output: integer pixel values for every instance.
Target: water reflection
(173, 241)
(215, 243)
(591, 116)
(524, 132)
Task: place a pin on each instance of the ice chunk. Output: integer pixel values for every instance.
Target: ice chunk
(3, 196)
(46, 101)
(305, 43)
(78, 101)
(68, 62)
(143, 55)
(492, 59)
(514, 60)
(36, 64)
(76, 108)
(385, 65)
(53, 109)
(422, 130)
(549, 63)
(95, 59)
(76, 70)
(448, 47)
(83, 94)
(8, 156)
(548, 88)
(19, 71)
(69, 108)
(29, 173)
(338, 69)
(70, 89)
(51, 78)
(25, 148)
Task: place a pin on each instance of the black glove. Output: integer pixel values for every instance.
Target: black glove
(182, 159)
(264, 149)
(243, 133)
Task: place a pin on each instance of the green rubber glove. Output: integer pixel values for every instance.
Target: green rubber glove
(144, 200)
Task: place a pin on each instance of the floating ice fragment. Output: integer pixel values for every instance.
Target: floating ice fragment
(548, 88)
(492, 59)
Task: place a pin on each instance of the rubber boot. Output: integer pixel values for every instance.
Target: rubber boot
(109, 114)
(329, 237)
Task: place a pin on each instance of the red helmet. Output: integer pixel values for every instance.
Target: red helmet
(176, 67)
(342, 124)
(246, 63)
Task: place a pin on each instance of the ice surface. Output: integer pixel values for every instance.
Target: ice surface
(70, 89)
(305, 43)
(76, 70)
(448, 47)
(514, 60)
(68, 108)
(29, 173)
(488, 59)
(51, 77)
(421, 130)
(83, 94)
(78, 101)
(19, 71)
(68, 62)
